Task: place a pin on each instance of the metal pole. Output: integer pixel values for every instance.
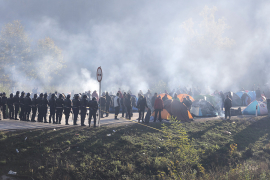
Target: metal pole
(99, 104)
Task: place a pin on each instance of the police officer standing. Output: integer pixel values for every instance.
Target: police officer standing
(16, 101)
(227, 106)
(21, 115)
(108, 103)
(93, 107)
(4, 104)
(59, 108)
(27, 107)
(84, 103)
(75, 108)
(34, 108)
(45, 107)
(102, 100)
(52, 105)
(10, 106)
(40, 110)
(67, 108)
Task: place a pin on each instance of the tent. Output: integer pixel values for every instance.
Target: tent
(164, 114)
(178, 110)
(252, 95)
(182, 96)
(203, 108)
(236, 100)
(163, 94)
(251, 108)
(240, 94)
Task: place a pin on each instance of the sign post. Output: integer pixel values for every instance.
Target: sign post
(99, 78)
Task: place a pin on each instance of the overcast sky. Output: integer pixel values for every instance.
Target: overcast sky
(220, 44)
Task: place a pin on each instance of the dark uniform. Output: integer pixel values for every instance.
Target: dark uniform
(16, 101)
(108, 103)
(93, 107)
(227, 106)
(141, 104)
(75, 108)
(34, 108)
(67, 108)
(40, 110)
(4, 105)
(45, 108)
(52, 105)
(102, 100)
(59, 109)
(0, 104)
(10, 101)
(122, 102)
(27, 106)
(83, 106)
(128, 105)
(21, 115)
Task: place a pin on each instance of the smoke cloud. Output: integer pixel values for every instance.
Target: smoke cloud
(214, 45)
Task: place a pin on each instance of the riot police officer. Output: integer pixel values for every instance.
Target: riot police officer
(52, 105)
(27, 107)
(21, 115)
(75, 108)
(4, 105)
(67, 108)
(59, 108)
(10, 106)
(84, 103)
(16, 101)
(93, 107)
(108, 103)
(40, 110)
(34, 108)
(45, 107)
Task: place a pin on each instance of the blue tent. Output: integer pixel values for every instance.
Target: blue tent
(252, 95)
(251, 108)
(240, 94)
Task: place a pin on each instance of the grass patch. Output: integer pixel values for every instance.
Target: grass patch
(185, 150)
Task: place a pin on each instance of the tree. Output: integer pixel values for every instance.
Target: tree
(14, 49)
(49, 60)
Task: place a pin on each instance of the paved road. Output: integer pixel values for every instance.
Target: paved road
(8, 124)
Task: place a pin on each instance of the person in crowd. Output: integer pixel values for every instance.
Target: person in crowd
(175, 97)
(141, 105)
(153, 101)
(116, 103)
(108, 103)
(222, 99)
(258, 94)
(122, 102)
(21, 115)
(59, 108)
(93, 107)
(158, 108)
(165, 98)
(34, 108)
(45, 108)
(0, 104)
(40, 107)
(10, 102)
(128, 105)
(243, 99)
(94, 94)
(4, 105)
(16, 101)
(75, 108)
(227, 106)
(83, 106)
(67, 108)
(27, 106)
(52, 105)
(102, 103)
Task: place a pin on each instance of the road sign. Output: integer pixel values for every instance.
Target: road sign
(99, 74)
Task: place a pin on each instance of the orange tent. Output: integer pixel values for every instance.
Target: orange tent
(164, 114)
(181, 96)
(163, 94)
(178, 110)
